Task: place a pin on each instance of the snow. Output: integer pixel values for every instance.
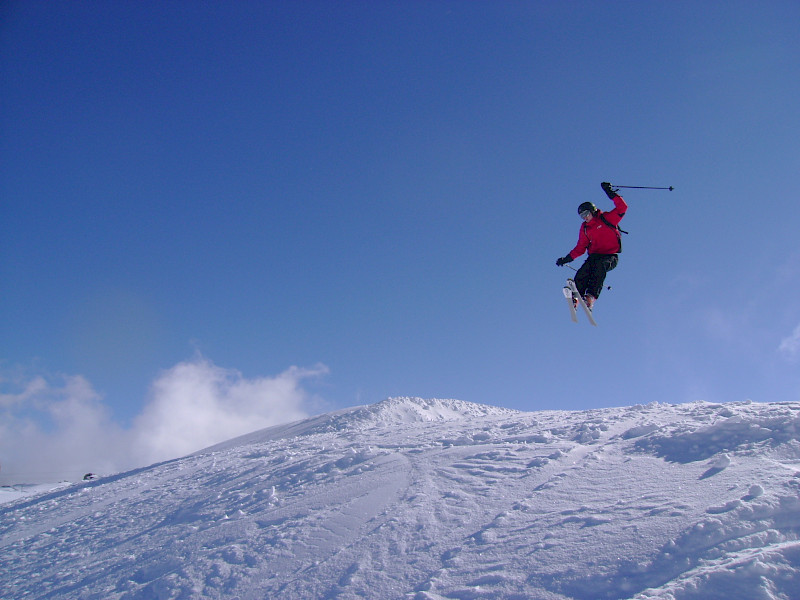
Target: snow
(437, 499)
(14, 492)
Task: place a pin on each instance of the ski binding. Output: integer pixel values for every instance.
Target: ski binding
(573, 291)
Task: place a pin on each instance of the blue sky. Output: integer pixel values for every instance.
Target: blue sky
(375, 193)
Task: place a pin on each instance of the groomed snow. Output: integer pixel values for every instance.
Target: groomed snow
(437, 499)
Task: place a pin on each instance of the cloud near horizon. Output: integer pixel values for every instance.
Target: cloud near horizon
(790, 346)
(62, 429)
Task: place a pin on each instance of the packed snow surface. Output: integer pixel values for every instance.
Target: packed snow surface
(437, 499)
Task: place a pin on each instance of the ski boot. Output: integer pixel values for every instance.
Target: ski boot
(569, 295)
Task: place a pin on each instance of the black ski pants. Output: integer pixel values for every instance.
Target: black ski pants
(590, 277)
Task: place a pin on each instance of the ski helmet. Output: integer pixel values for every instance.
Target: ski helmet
(587, 206)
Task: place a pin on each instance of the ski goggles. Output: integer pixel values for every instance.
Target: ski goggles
(585, 214)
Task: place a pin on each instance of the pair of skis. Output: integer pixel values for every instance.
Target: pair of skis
(571, 294)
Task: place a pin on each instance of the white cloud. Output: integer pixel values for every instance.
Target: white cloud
(197, 404)
(60, 429)
(48, 432)
(790, 346)
(32, 389)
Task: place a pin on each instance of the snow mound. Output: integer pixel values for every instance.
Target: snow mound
(413, 499)
(392, 411)
(419, 410)
(746, 429)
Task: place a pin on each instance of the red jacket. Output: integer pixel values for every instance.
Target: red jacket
(597, 237)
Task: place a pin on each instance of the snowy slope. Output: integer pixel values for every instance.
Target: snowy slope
(17, 491)
(434, 499)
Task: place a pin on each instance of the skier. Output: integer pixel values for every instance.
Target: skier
(600, 236)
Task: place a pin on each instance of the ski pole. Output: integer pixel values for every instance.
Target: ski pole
(643, 187)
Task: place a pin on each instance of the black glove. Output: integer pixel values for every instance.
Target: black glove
(562, 261)
(611, 193)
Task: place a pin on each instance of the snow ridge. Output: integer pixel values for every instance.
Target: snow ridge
(437, 499)
(419, 410)
(392, 411)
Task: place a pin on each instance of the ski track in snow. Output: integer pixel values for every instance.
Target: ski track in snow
(437, 499)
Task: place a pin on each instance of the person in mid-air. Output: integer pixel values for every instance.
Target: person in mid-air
(600, 237)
